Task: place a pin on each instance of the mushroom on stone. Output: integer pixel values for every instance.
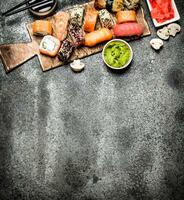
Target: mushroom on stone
(163, 33)
(156, 43)
(77, 66)
(174, 29)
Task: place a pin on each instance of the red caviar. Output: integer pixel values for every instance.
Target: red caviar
(162, 10)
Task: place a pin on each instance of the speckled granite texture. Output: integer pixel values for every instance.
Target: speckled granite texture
(95, 135)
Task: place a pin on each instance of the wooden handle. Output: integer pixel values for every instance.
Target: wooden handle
(13, 55)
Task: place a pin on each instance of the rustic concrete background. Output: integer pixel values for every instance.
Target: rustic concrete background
(95, 135)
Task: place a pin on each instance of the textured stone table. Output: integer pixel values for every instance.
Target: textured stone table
(95, 135)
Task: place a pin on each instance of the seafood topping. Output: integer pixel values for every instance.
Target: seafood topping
(128, 29)
(90, 19)
(98, 36)
(126, 16)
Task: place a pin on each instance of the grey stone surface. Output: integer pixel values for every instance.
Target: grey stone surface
(95, 135)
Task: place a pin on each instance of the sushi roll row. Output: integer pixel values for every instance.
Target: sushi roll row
(53, 33)
(70, 30)
(62, 34)
(67, 30)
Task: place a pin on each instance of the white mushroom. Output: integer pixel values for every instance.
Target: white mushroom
(156, 43)
(77, 66)
(174, 29)
(163, 33)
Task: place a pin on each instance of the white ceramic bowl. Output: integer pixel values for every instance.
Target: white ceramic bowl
(124, 66)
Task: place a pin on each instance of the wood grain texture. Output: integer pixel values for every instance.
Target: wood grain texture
(13, 55)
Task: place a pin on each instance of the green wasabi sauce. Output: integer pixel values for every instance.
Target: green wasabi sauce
(117, 54)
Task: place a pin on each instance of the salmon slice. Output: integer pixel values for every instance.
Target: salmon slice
(128, 29)
(90, 19)
(98, 36)
(61, 25)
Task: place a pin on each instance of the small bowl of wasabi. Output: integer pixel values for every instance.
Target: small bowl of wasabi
(117, 54)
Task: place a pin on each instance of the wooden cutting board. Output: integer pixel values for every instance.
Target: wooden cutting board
(13, 55)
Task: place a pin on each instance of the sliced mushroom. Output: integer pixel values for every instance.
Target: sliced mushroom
(174, 29)
(77, 66)
(163, 33)
(156, 43)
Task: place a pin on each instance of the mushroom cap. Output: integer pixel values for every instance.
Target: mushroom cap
(77, 66)
(163, 33)
(156, 43)
(174, 28)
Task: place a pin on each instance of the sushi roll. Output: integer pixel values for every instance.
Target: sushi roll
(77, 34)
(117, 5)
(66, 50)
(110, 5)
(90, 19)
(106, 19)
(61, 20)
(49, 46)
(42, 28)
(100, 4)
(75, 29)
(77, 16)
(131, 4)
